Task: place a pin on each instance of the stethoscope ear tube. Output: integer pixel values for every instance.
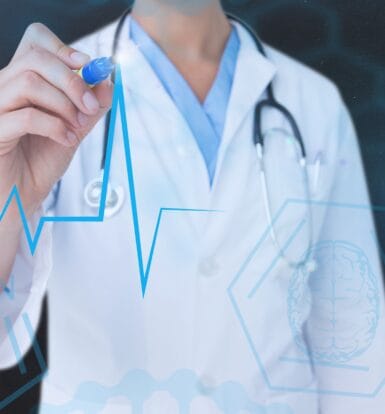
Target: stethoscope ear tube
(272, 103)
(308, 263)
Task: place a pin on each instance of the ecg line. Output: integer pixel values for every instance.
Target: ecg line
(118, 103)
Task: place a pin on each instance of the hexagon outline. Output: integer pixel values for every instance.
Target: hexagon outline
(9, 399)
(243, 323)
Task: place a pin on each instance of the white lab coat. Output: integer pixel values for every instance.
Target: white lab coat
(196, 315)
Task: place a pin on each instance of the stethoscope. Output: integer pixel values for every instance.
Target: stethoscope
(115, 194)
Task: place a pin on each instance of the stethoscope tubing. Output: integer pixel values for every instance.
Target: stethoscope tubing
(258, 139)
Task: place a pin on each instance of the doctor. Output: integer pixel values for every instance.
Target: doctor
(197, 341)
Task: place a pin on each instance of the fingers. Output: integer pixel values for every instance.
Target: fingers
(33, 121)
(103, 93)
(54, 71)
(42, 96)
(30, 89)
(39, 36)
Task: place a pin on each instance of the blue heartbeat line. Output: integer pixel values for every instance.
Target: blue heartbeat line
(118, 103)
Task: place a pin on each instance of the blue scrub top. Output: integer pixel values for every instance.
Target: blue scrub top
(206, 120)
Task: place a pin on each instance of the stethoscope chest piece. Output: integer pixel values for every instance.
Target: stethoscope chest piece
(114, 197)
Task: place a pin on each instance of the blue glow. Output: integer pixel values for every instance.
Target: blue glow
(97, 70)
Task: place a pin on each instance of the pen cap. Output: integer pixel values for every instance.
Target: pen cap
(97, 70)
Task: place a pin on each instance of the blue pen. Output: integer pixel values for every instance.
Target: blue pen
(97, 70)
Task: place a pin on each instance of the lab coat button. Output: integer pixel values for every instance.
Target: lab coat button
(209, 267)
(206, 384)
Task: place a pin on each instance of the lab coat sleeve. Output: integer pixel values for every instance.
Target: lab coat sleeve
(349, 390)
(21, 302)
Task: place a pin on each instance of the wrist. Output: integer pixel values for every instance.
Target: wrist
(11, 221)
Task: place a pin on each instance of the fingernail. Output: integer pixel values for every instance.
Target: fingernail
(72, 138)
(79, 58)
(82, 119)
(90, 102)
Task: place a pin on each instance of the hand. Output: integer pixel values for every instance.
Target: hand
(45, 111)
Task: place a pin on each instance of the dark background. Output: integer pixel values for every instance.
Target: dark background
(344, 39)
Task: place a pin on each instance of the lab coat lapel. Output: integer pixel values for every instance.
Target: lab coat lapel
(253, 74)
(237, 161)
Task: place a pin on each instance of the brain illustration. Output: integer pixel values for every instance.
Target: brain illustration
(338, 304)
